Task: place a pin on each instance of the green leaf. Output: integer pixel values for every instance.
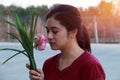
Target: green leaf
(23, 36)
(34, 27)
(19, 51)
(10, 23)
(12, 57)
(26, 38)
(15, 36)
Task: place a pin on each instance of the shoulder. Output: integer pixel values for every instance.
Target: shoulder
(88, 58)
(91, 65)
(90, 61)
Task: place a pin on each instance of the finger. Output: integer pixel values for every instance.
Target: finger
(33, 72)
(39, 71)
(33, 77)
(28, 66)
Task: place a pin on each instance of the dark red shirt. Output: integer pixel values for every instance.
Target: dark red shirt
(85, 67)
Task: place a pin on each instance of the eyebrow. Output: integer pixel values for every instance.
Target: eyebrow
(52, 27)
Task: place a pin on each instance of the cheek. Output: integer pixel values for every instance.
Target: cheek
(61, 39)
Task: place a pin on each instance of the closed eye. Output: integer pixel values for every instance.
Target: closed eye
(54, 30)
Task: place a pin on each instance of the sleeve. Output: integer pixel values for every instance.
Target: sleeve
(93, 71)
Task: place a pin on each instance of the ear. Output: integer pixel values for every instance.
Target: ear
(73, 33)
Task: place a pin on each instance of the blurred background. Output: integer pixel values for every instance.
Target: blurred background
(101, 17)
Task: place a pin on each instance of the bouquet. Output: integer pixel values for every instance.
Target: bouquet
(27, 39)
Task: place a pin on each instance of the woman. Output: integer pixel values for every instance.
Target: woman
(65, 32)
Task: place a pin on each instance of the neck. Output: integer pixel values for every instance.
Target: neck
(69, 55)
(71, 51)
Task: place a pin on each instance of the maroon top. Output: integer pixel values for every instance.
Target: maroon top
(85, 67)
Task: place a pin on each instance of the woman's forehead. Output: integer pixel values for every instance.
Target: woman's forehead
(51, 22)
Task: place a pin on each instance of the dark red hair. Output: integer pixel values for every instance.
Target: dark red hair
(69, 16)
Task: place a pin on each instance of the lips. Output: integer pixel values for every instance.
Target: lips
(52, 43)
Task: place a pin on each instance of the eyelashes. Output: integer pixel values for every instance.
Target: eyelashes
(53, 30)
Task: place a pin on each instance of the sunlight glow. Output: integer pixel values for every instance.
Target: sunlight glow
(116, 4)
(26, 3)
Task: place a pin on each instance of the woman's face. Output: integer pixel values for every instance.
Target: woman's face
(57, 34)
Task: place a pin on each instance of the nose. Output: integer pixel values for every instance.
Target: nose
(49, 35)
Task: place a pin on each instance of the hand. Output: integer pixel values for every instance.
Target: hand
(35, 74)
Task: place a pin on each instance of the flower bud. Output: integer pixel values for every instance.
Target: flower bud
(40, 41)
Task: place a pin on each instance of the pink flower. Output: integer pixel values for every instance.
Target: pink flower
(40, 41)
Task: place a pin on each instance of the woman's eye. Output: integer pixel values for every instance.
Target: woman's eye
(55, 32)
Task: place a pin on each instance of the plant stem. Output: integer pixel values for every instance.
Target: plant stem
(32, 63)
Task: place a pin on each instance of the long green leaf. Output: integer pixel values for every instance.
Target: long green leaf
(11, 57)
(26, 39)
(15, 50)
(23, 35)
(15, 36)
(31, 27)
(34, 27)
(12, 25)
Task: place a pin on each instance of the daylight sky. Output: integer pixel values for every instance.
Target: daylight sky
(49, 3)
